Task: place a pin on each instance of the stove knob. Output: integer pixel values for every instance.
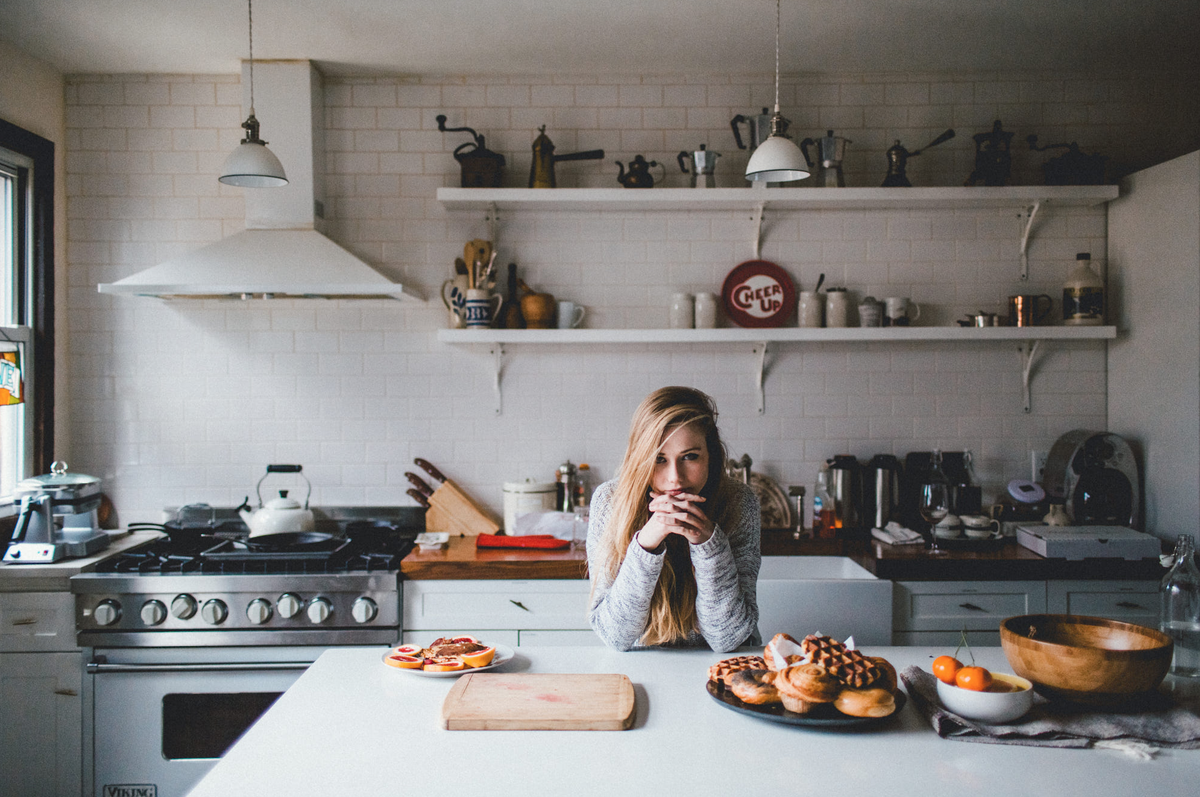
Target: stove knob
(289, 605)
(364, 610)
(319, 610)
(214, 611)
(153, 612)
(259, 611)
(183, 607)
(107, 612)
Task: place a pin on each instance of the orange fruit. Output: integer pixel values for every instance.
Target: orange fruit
(480, 658)
(403, 662)
(977, 679)
(945, 668)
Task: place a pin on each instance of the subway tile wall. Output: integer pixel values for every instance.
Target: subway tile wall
(175, 402)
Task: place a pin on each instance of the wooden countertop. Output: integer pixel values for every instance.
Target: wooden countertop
(1008, 562)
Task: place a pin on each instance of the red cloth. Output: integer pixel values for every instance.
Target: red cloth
(528, 541)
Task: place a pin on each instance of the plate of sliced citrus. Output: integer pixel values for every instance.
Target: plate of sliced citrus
(448, 657)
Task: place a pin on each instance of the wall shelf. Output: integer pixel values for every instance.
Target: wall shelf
(758, 341)
(949, 198)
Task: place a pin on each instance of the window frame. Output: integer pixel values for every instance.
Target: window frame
(36, 302)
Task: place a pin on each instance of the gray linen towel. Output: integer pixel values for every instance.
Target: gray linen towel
(1060, 725)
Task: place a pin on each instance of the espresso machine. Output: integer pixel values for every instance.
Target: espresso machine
(1095, 477)
(58, 518)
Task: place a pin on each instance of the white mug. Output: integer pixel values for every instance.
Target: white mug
(682, 313)
(811, 310)
(899, 311)
(706, 311)
(570, 315)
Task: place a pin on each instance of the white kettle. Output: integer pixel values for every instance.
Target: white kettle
(282, 515)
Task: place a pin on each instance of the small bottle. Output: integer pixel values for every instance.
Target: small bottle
(1083, 294)
(583, 485)
(797, 495)
(824, 523)
(1180, 613)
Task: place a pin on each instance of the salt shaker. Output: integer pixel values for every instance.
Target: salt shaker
(682, 311)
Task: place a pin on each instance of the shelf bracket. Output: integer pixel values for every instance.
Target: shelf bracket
(757, 218)
(1032, 211)
(760, 355)
(492, 217)
(497, 352)
(1028, 353)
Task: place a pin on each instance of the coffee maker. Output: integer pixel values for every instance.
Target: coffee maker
(58, 518)
(1094, 476)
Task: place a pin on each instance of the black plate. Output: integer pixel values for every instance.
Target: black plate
(825, 716)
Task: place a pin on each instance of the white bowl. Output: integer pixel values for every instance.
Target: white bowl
(991, 707)
(977, 534)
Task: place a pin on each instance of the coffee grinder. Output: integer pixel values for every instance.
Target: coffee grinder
(58, 518)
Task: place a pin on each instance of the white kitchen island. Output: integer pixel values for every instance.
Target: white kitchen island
(353, 726)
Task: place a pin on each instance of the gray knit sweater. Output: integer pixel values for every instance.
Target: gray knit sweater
(726, 568)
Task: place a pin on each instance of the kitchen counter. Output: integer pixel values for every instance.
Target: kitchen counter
(351, 725)
(56, 577)
(1008, 562)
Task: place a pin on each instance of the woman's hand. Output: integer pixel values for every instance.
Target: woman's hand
(675, 513)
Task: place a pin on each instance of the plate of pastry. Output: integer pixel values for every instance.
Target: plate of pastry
(818, 682)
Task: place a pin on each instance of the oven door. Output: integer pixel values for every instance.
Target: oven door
(160, 718)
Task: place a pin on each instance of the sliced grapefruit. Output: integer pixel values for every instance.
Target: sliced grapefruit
(446, 664)
(403, 662)
(480, 658)
(407, 650)
(466, 638)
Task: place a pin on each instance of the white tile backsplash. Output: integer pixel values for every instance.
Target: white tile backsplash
(188, 401)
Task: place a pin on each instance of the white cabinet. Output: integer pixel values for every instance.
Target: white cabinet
(1129, 601)
(551, 611)
(41, 711)
(937, 612)
(801, 595)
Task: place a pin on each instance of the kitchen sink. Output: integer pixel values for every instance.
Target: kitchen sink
(833, 595)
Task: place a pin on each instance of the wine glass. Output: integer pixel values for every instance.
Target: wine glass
(935, 505)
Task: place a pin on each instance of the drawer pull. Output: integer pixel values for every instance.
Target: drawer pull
(971, 607)
(1131, 605)
(66, 692)
(25, 621)
(518, 604)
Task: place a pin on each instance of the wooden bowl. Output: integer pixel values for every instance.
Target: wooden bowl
(1087, 660)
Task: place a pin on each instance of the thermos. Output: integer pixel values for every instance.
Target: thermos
(883, 490)
(845, 485)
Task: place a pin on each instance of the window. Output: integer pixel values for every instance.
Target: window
(26, 304)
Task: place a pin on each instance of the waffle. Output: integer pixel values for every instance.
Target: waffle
(723, 670)
(848, 666)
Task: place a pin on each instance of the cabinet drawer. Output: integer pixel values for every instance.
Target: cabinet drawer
(37, 621)
(946, 639)
(550, 604)
(1132, 602)
(954, 606)
(555, 639)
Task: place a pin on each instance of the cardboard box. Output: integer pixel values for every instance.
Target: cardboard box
(1089, 542)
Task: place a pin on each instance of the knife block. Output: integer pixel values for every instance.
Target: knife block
(453, 511)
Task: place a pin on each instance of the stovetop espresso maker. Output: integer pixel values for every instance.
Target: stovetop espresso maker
(58, 518)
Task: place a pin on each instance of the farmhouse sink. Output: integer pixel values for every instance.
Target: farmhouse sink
(833, 595)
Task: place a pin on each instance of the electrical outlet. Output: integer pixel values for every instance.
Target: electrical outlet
(1037, 465)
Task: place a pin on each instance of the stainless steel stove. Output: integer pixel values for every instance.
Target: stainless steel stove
(190, 637)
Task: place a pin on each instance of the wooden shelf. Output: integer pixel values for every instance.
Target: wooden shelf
(776, 198)
(772, 335)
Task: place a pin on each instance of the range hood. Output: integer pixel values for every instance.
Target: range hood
(283, 252)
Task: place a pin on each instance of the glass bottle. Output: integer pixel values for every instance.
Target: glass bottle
(824, 521)
(1180, 602)
(1083, 294)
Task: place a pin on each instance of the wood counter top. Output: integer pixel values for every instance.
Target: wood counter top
(1008, 562)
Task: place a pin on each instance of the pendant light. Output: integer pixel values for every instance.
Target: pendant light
(252, 165)
(777, 159)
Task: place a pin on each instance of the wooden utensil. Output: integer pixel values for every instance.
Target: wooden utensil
(539, 702)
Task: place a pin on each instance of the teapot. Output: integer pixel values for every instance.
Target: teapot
(282, 515)
(639, 173)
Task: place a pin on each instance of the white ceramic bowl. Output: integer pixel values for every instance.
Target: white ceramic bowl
(991, 707)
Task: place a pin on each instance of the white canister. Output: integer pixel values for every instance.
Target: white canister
(811, 309)
(706, 311)
(682, 314)
(837, 308)
(526, 496)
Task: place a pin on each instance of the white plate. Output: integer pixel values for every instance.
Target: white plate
(503, 655)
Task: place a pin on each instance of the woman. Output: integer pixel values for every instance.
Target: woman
(673, 543)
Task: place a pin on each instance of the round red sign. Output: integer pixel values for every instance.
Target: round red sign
(759, 293)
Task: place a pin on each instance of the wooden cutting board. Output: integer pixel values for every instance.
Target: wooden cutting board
(539, 702)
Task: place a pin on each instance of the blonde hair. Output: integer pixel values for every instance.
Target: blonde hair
(673, 604)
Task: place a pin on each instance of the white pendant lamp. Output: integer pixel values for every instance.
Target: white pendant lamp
(778, 159)
(252, 165)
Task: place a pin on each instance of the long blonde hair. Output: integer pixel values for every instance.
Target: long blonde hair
(673, 604)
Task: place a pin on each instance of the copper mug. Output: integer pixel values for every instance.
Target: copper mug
(1023, 310)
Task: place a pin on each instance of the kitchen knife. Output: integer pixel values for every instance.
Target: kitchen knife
(425, 465)
(419, 483)
(418, 497)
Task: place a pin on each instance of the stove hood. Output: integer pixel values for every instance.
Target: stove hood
(283, 252)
